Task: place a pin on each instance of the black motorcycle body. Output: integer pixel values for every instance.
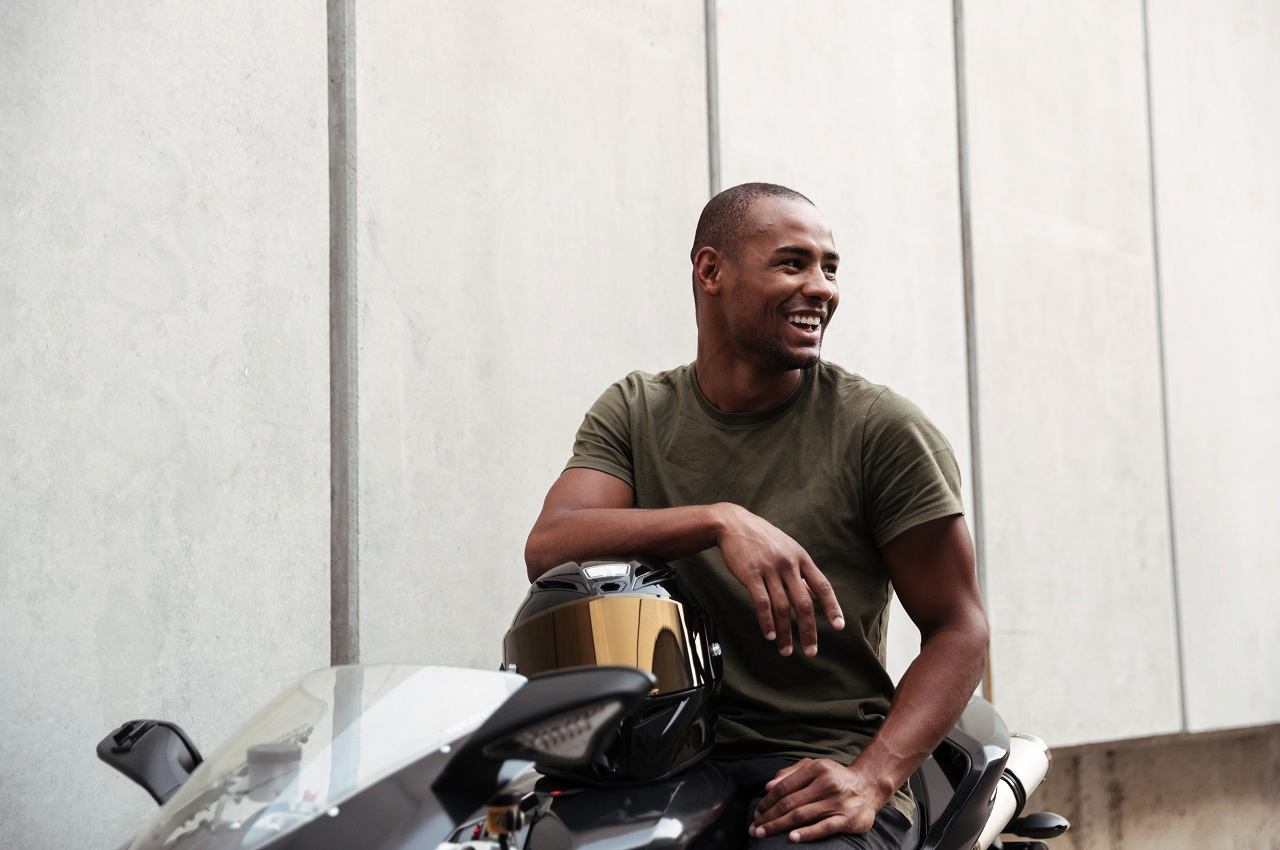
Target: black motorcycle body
(392, 757)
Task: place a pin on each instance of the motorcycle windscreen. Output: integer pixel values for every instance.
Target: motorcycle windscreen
(334, 733)
(646, 632)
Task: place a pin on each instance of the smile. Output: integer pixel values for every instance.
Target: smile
(807, 323)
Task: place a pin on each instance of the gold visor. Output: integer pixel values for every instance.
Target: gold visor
(647, 632)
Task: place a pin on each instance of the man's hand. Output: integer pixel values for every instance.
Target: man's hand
(780, 577)
(593, 514)
(814, 798)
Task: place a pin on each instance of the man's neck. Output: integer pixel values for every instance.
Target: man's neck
(736, 386)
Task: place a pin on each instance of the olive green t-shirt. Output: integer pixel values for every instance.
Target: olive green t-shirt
(842, 466)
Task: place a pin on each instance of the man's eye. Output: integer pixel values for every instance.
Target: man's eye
(830, 272)
(795, 264)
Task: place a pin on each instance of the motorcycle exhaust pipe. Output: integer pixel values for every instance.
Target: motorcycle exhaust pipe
(1028, 765)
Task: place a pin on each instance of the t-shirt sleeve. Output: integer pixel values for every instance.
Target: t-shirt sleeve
(603, 442)
(909, 471)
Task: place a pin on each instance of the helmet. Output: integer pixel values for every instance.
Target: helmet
(639, 614)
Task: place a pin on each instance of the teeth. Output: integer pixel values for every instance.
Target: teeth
(811, 321)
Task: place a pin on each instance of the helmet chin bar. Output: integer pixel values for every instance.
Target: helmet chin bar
(565, 714)
(565, 740)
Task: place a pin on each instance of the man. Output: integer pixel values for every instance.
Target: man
(779, 485)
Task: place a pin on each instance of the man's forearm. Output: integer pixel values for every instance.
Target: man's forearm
(926, 704)
(574, 534)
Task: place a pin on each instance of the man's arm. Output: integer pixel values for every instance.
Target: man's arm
(591, 514)
(932, 569)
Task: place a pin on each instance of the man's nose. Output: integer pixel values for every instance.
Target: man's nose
(818, 286)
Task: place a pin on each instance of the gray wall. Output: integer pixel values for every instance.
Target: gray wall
(527, 180)
(524, 221)
(1216, 123)
(1077, 551)
(164, 441)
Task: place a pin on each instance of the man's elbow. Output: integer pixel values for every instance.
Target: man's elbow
(539, 556)
(968, 630)
(534, 562)
(975, 627)
(982, 634)
(979, 634)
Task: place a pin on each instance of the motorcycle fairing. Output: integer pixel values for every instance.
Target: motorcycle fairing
(346, 728)
(955, 786)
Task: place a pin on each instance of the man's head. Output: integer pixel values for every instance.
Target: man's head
(764, 267)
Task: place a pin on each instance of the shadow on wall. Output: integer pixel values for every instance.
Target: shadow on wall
(1191, 792)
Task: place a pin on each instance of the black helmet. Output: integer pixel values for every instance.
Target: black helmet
(635, 613)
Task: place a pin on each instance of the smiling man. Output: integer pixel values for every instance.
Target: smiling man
(791, 495)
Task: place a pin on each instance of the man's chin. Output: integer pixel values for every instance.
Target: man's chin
(772, 355)
(791, 359)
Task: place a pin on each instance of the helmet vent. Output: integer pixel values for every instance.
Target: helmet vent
(611, 586)
(557, 584)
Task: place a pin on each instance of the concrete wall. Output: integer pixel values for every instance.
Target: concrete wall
(1216, 122)
(1183, 793)
(163, 376)
(527, 196)
(528, 177)
(1080, 582)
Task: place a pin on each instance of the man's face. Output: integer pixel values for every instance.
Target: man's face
(780, 289)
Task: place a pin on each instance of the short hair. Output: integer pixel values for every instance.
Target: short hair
(724, 218)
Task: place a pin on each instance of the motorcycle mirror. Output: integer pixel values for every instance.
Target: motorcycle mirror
(1038, 825)
(156, 754)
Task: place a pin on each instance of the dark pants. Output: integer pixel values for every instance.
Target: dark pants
(750, 775)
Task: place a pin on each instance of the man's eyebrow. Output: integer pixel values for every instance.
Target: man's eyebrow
(802, 251)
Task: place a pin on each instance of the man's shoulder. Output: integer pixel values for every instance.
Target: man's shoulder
(877, 406)
(849, 388)
(652, 385)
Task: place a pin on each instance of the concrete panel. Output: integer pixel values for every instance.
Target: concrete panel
(529, 182)
(1187, 792)
(862, 120)
(1079, 579)
(163, 362)
(1217, 131)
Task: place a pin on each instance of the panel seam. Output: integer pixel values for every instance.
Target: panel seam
(713, 96)
(1164, 383)
(970, 323)
(344, 528)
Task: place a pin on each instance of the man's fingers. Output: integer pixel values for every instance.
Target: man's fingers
(823, 592)
(797, 776)
(763, 607)
(821, 829)
(781, 612)
(786, 771)
(802, 815)
(795, 809)
(802, 605)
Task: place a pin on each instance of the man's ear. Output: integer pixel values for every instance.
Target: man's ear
(707, 269)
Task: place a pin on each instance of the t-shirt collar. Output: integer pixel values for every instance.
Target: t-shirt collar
(754, 417)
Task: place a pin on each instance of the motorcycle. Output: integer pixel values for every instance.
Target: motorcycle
(401, 757)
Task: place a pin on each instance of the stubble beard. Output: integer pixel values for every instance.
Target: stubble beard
(778, 357)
